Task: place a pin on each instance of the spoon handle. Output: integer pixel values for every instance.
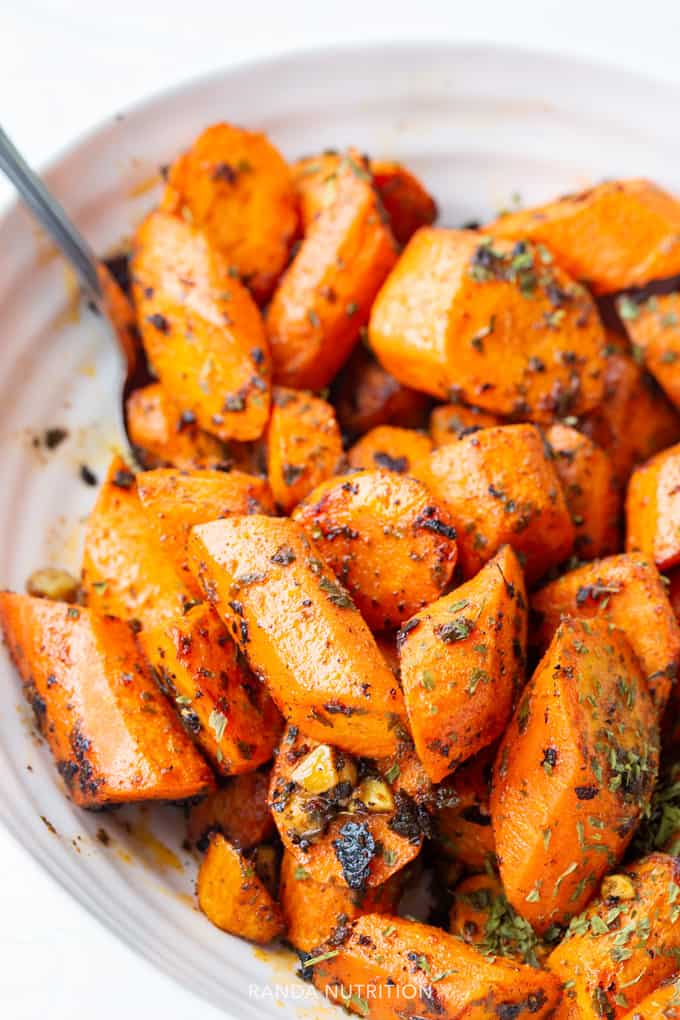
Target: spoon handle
(51, 216)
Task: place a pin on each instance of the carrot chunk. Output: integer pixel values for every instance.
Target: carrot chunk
(163, 435)
(496, 323)
(232, 896)
(202, 331)
(575, 772)
(653, 327)
(653, 509)
(451, 422)
(617, 235)
(391, 448)
(365, 396)
(113, 736)
(462, 665)
(300, 631)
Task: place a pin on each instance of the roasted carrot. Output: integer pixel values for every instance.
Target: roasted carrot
(175, 501)
(575, 772)
(202, 331)
(300, 631)
(233, 897)
(462, 665)
(653, 509)
(592, 496)
(365, 396)
(304, 445)
(407, 967)
(625, 943)
(163, 435)
(500, 487)
(317, 911)
(325, 296)
(496, 324)
(386, 538)
(342, 828)
(239, 810)
(406, 202)
(616, 235)
(391, 448)
(482, 917)
(634, 420)
(451, 422)
(223, 706)
(653, 326)
(113, 737)
(127, 572)
(625, 591)
(664, 1002)
(464, 832)
(237, 187)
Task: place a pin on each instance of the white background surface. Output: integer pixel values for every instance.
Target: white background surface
(64, 66)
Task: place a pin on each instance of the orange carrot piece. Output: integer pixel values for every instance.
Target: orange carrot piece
(325, 296)
(407, 203)
(365, 396)
(653, 327)
(496, 324)
(391, 448)
(624, 944)
(163, 435)
(408, 966)
(634, 420)
(239, 810)
(175, 501)
(451, 422)
(616, 235)
(237, 187)
(304, 445)
(575, 772)
(653, 509)
(202, 331)
(462, 665)
(223, 706)
(127, 572)
(464, 831)
(482, 917)
(500, 487)
(664, 1002)
(625, 591)
(300, 631)
(233, 897)
(113, 737)
(592, 496)
(316, 911)
(394, 549)
(315, 179)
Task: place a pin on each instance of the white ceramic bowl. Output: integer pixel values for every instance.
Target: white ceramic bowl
(479, 125)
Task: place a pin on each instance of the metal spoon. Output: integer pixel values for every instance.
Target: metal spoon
(94, 277)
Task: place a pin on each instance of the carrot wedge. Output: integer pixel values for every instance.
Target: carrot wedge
(238, 189)
(617, 235)
(176, 500)
(575, 772)
(624, 944)
(625, 591)
(495, 323)
(300, 631)
(113, 736)
(325, 296)
(202, 331)
(653, 509)
(384, 535)
(462, 665)
(653, 327)
(161, 434)
(233, 897)
(664, 1002)
(412, 969)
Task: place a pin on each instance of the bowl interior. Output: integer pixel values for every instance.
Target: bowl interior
(485, 128)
